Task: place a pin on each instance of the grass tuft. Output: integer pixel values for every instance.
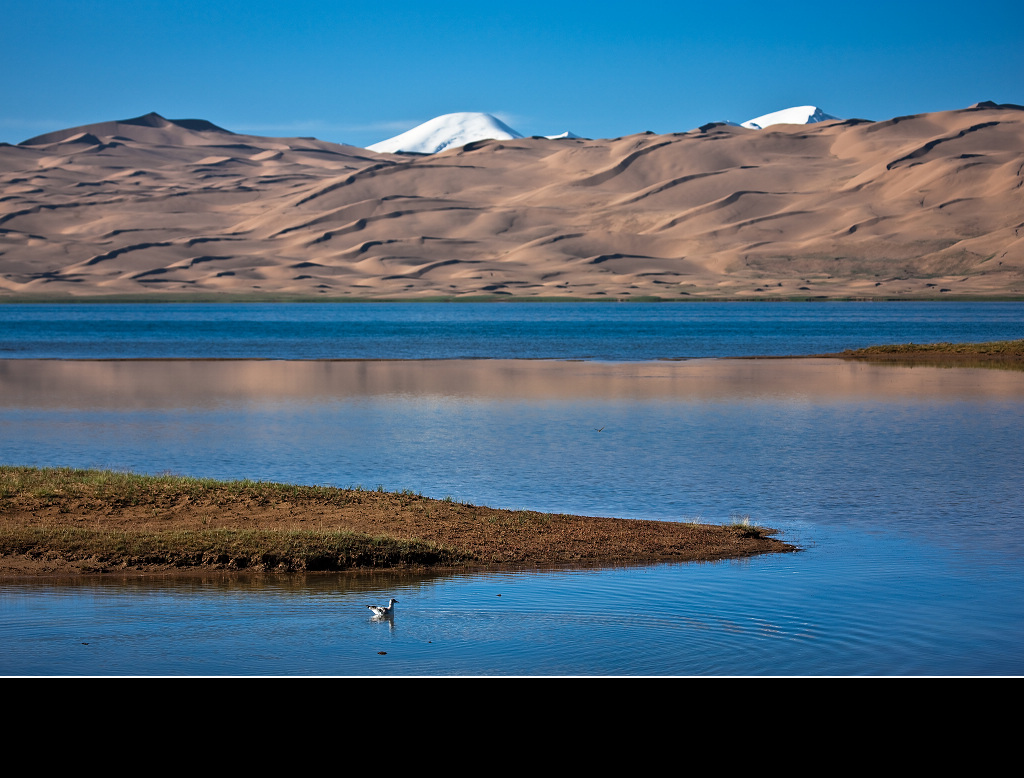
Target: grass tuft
(741, 523)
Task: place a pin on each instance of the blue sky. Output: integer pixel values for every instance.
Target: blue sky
(362, 72)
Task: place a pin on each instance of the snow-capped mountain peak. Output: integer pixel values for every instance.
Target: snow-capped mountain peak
(454, 130)
(801, 114)
(449, 131)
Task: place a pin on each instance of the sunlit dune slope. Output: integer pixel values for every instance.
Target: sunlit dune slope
(921, 205)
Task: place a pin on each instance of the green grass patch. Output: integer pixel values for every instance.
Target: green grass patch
(1005, 348)
(266, 549)
(233, 549)
(125, 488)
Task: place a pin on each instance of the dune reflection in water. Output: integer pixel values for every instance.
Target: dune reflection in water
(204, 383)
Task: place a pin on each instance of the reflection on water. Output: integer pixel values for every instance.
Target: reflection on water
(1011, 365)
(901, 483)
(126, 385)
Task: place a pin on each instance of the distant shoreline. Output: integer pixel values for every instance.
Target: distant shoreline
(197, 298)
(1003, 353)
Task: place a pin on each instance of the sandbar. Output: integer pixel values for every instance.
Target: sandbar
(62, 522)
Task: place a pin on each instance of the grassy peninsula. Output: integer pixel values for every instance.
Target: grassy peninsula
(994, 353)
(60, 521)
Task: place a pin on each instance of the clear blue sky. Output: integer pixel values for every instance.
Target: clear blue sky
(362, 72)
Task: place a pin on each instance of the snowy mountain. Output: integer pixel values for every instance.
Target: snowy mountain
(446, 132)
(801, 114)
(454, 130)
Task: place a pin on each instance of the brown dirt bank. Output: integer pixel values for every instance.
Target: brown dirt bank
(998, 353)
(59, 522)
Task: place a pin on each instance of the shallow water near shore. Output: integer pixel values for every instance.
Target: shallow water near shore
(865, 605)
(902, 484)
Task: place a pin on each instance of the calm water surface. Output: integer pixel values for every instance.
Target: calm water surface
(901, 484)
(612, 331)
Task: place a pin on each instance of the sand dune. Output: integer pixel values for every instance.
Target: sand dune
(920, 205)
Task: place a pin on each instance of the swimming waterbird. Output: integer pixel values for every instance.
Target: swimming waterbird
(379, 610)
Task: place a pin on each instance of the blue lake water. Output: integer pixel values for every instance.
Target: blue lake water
(901, 484)
(607, 331)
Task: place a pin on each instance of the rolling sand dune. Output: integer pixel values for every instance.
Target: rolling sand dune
(926, 205)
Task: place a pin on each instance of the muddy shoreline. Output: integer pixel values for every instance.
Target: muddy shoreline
(78, 523)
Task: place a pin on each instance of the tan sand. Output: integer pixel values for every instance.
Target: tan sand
(928, 205)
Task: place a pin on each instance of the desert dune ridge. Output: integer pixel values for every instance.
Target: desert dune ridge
(929, 205)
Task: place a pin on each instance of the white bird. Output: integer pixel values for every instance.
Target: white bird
(379, 610)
